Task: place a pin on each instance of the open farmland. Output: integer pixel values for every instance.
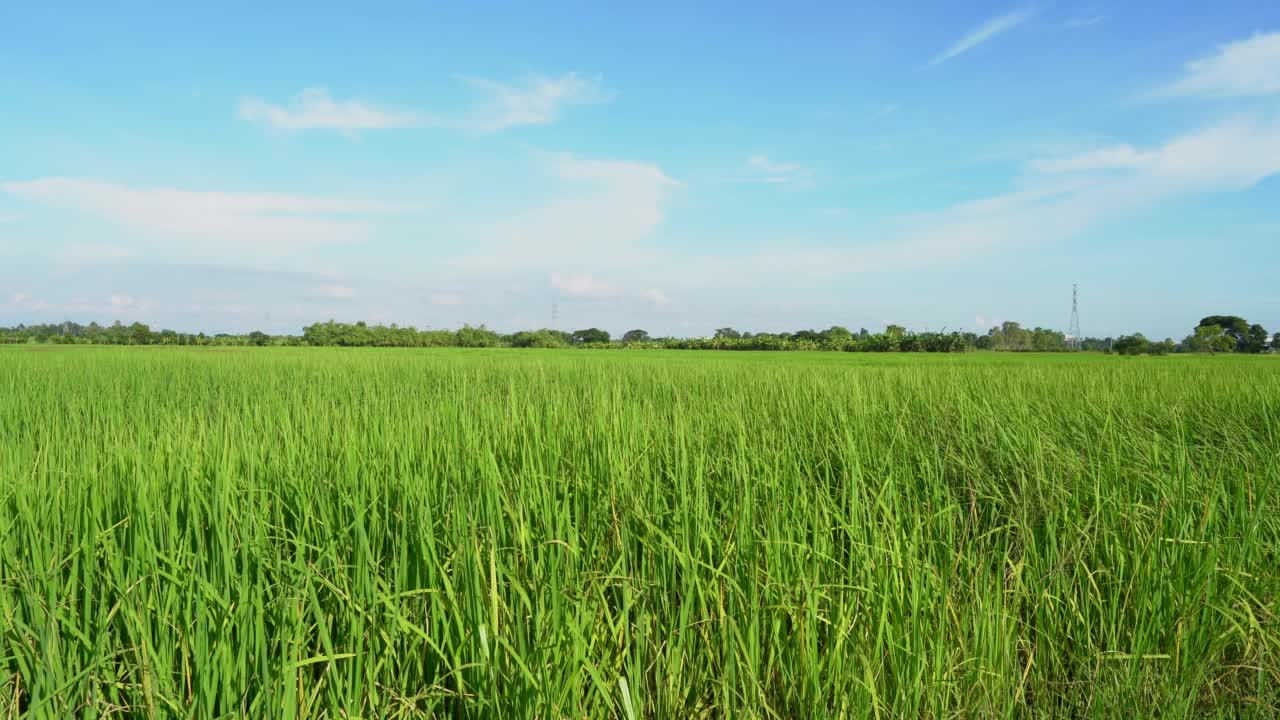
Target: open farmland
(293, 533)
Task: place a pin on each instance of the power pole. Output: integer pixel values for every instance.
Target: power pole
(1074, 338)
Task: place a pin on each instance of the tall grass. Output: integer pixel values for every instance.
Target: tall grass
(365, 533)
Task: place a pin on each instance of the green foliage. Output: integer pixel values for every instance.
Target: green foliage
(837, 334)
(1135, 344)
(1235, 327)
(1010, 336)
(539, 339)
(590, 335)
(1210, 339)
(1255, 341)
(409, 534)
(476, 337)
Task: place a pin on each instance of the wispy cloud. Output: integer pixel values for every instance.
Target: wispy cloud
(314, 108)
(599, 211)
(580, 285)
(1230, 156)
(114, 304)
(531, 100)
(335, 292)
(1083, 21)
(257, 221)
(7, 217)
(1109, 158)
(763, 169)
(1243, 68)
(983, 33)
(655, 296)
(445, 298)
(121, 301)
(884, 110)
(534, 100)
(23, 301)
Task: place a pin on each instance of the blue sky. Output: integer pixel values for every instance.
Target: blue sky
(668, 167)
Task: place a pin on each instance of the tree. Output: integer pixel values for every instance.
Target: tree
(538, 339)
(259, 338)
(590, 335)
(1210, 338)
(1275, 342)
(482, 336)
(635, 336)
(139, 334)
(837, 334)
(1046, 340)
(1234, 326)
(1256, 340)
(1135, 344)
(727, 332)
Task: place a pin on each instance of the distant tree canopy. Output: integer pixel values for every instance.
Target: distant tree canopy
(590, 335)
(1013, 337)
(1228, 333)
(1214, 334)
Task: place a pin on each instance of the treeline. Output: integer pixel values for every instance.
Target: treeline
(70, 333)
(1215, 334)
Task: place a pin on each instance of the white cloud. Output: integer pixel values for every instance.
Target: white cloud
(23, 301)
(1243, 68)
(979, 322)
(885, 110)
(534, 100)
(92, 252)
(1231, 156)
(124, 302)
(599, 213)
(247, 222)
(765, 170)
(313, 108)
(336, 292)
(655, 296)
(118, 303)
(983, 33)
(6, 217)
(440, 298)
(1083, 21)
(582, 285)
(1111, 158)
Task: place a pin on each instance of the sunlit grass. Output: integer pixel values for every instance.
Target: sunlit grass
(287, 533)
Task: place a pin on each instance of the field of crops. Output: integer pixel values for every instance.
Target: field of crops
(286, 533)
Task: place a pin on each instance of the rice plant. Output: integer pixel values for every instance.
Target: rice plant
(330, 533)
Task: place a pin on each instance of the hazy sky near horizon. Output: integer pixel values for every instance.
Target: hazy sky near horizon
(670, 166)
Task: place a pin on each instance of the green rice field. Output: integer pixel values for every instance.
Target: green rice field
(375, 533)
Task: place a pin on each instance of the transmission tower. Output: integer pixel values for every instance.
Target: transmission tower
(1074, 338)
